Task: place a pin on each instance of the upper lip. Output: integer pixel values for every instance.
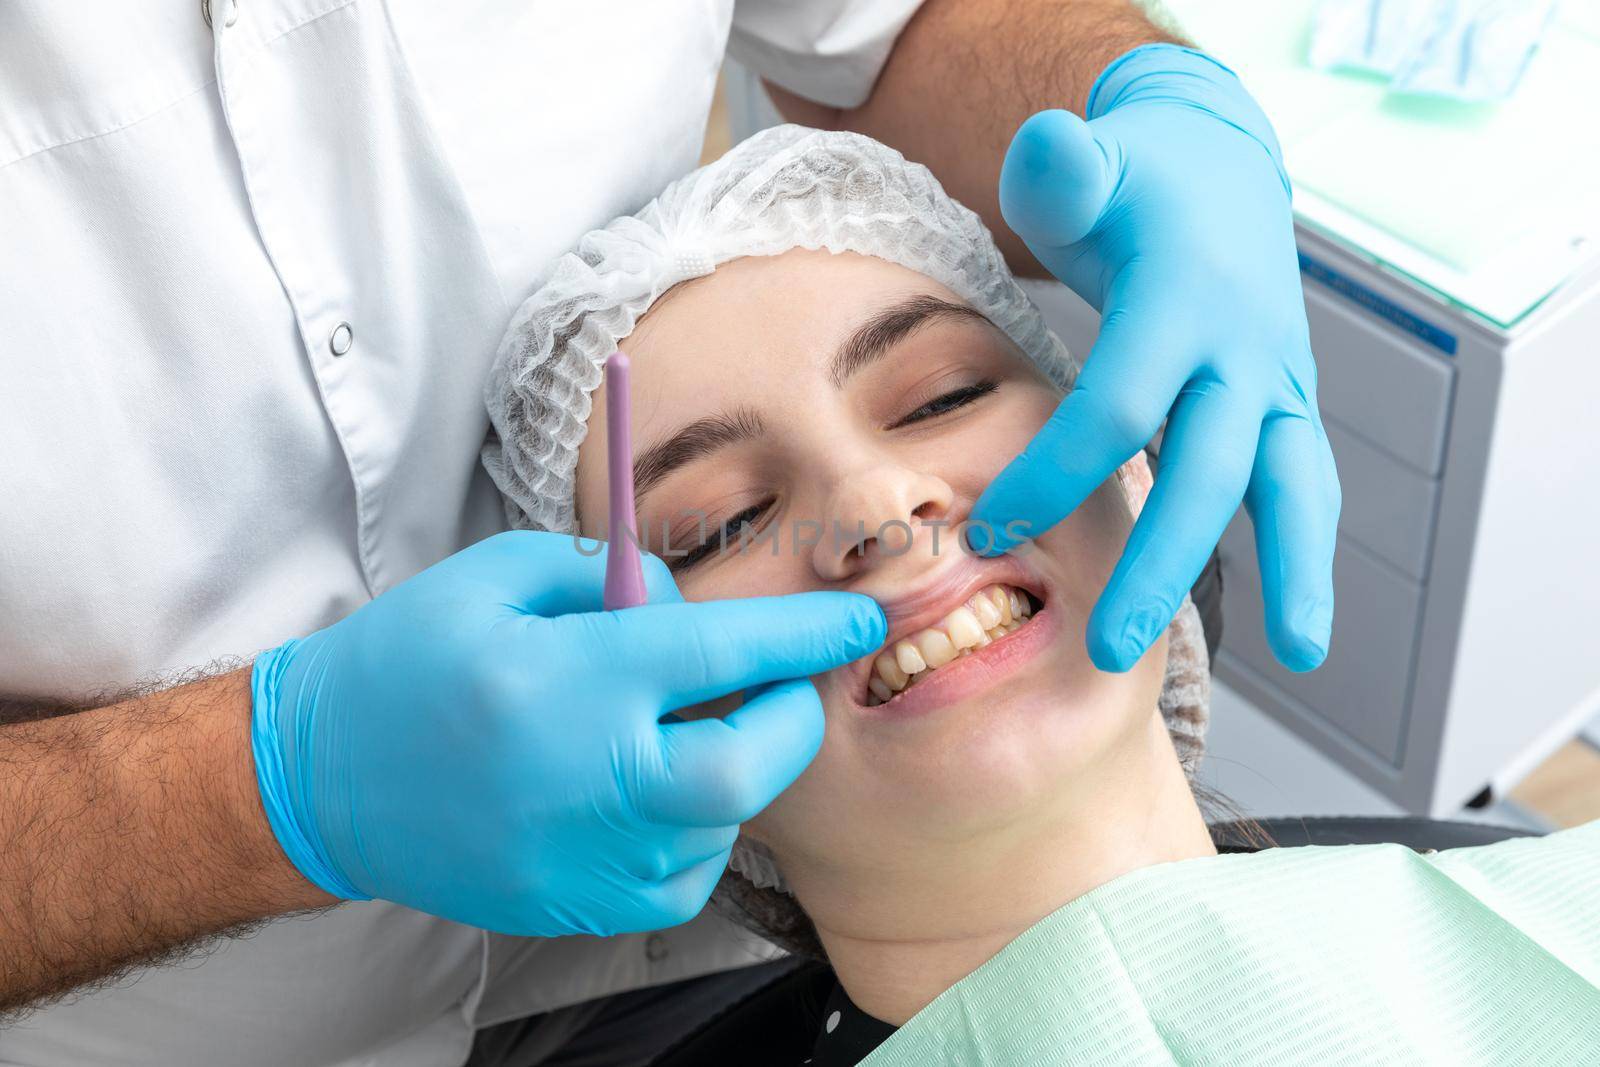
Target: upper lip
(928, 604)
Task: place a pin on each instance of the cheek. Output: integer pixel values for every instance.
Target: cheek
(760, 571)
(1082, 550)
(1030, 407)
(759, 574)
(970, 458)
(835, 808)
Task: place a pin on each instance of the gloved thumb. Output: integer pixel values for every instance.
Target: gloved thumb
(1055, 181)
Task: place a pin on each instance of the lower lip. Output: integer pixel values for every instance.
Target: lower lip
(972, 674)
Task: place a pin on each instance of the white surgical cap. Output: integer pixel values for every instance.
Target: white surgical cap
(787, 187)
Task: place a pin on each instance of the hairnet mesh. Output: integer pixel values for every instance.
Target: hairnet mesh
(787, 187)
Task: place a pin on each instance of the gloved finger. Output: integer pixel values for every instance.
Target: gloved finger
(554, 574)
(723, 772)
(1294, 501)
(662, 855)
(1206, 459)
(1055, 181)
(1122, 395)
(676, 655)
(680, 897)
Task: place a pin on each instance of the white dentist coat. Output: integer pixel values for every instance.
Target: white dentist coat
(251, 279)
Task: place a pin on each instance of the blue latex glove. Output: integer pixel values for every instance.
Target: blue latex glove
(1169, 212)
(483, 743)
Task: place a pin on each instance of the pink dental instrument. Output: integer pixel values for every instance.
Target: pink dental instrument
(624, 575)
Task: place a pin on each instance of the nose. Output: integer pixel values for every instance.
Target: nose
(882, 513)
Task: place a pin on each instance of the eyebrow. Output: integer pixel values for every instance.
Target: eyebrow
(868, 343)
(875, 337)
(698, 439)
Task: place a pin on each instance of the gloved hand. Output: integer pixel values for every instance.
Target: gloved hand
(1169, 212)
(483, 743)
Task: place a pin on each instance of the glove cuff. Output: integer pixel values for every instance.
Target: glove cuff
(1174, 74)
(273, 782)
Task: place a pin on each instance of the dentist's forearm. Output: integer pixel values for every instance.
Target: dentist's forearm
(129, 832)
(966, 73)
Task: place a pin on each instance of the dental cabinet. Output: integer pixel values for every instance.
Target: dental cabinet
(1450, 258)
(1466, 583)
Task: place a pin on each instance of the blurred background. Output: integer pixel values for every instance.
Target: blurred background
(1447, 192)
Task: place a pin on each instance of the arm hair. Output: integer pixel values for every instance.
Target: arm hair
(131, 834)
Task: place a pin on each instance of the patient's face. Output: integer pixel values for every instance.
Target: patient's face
(811, 399)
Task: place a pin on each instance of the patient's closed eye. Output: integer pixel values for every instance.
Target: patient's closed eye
(945, 402)
(703, 541)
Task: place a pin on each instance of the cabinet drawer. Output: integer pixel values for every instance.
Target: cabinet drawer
(1375, 384)
(1388, 507)
(1363, 690)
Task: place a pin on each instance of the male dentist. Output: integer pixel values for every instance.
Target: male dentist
(256, 258)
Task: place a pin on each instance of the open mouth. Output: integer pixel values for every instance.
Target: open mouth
(992, 614)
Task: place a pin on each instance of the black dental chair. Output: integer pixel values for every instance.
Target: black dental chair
(777, 1025)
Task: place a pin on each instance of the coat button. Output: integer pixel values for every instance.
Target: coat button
(233, 12)
(656, 948)
(341, 339)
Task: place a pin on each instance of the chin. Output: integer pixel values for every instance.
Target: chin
(1002, 755)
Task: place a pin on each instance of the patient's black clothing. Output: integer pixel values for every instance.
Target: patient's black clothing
(847, 1034)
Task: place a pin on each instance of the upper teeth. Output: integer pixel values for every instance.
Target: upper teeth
(991, 613)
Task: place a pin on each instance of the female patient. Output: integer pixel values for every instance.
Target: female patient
(830, 363)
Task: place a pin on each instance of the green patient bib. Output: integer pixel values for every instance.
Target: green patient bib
(1359, 954)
